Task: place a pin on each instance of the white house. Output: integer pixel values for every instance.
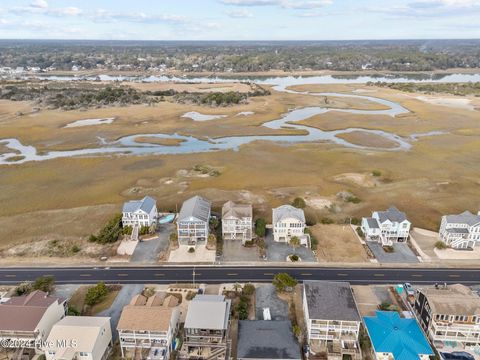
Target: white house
(79, 337)
(386, 227)
(140, 212)
(193, 221)
(237, 222)
(288, 221)
(29, 318)
(460, 231)
(148, 326)
(332, 319)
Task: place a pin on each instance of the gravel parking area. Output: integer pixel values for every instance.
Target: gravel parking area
(279, 251)
(234, 251)
(402, 253)
(266, 297)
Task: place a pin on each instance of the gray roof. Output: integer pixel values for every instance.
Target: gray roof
(238, 211)
(287, 211)
(464, 218)
(146, 204)
(262, 339)
(206, 312)
(457, 231)
(330, 301)
(196, 207)
(392, 214)
(373, 223)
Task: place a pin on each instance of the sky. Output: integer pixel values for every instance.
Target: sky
(239, 19)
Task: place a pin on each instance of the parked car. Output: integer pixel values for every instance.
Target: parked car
(409, 289)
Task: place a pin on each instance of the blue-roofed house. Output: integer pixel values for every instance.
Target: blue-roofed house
(140, 212)
(396, 338)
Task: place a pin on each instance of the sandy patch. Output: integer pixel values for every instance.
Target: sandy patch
(458, 103)
(318, 202)
(89, 122)
(363, 180)
(196, 116)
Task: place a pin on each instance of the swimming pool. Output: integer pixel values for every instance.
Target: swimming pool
(166, 219)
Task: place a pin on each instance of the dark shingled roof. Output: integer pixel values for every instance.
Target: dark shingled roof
(330, 301)
(261, 339)
(392, 214)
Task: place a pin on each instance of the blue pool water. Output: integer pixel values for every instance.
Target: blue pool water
(166, 219)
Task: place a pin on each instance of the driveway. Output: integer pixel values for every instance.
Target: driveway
(266, 297)
(233, 250)
(279, 251)
(402, 253)
(148, 251)
(123, 298)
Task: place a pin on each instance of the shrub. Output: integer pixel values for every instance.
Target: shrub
(313, 239)
(360, 232)
(296, 330)
(248, 289)
(376, 173)
(299, 203)
(44, 283)
(294, 258)
(191, 250)
(75, 249)
(144, 230)
(353, 199)
(73, 311)
(96, 294)
(355, 221)
(110, 232)
(260, 227)
(440, 245)
(385, 306)
(174, 238)
(23, 289)
(127, 230)
(311, 218)
(242, 309)
(283, 282)
(327, 221)
(190, 295)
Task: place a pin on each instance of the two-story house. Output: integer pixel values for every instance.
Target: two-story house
(237, 222)
(460, 231)
(332, 319)
(206, 328)
(387, 226)
(79, 337)
(288, 221)
(138, 213)
(449, 315)
(148, 327)
(28, 319)
(193, 221)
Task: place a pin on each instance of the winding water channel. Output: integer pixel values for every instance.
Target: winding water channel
(188, 144)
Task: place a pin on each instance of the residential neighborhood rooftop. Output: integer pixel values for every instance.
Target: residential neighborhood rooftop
(401, 337)
(208, 312)
(464, 218)
(23, 313)
(286, 212)
(231, 209)
(328, 300)
(195, 207)
(260, 339)
(373, 223)
(392, 214)
(85, 330)
(146, 204)
(454, 299)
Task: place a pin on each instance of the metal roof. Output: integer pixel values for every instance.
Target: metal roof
(237, 211)
(260, 339)
(210, 313)
(373, 223)
(401, 337)
(146, 204)
(195, 207)
(327, 300)
(286, 212)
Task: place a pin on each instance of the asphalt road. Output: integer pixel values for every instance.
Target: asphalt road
(220, 274)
